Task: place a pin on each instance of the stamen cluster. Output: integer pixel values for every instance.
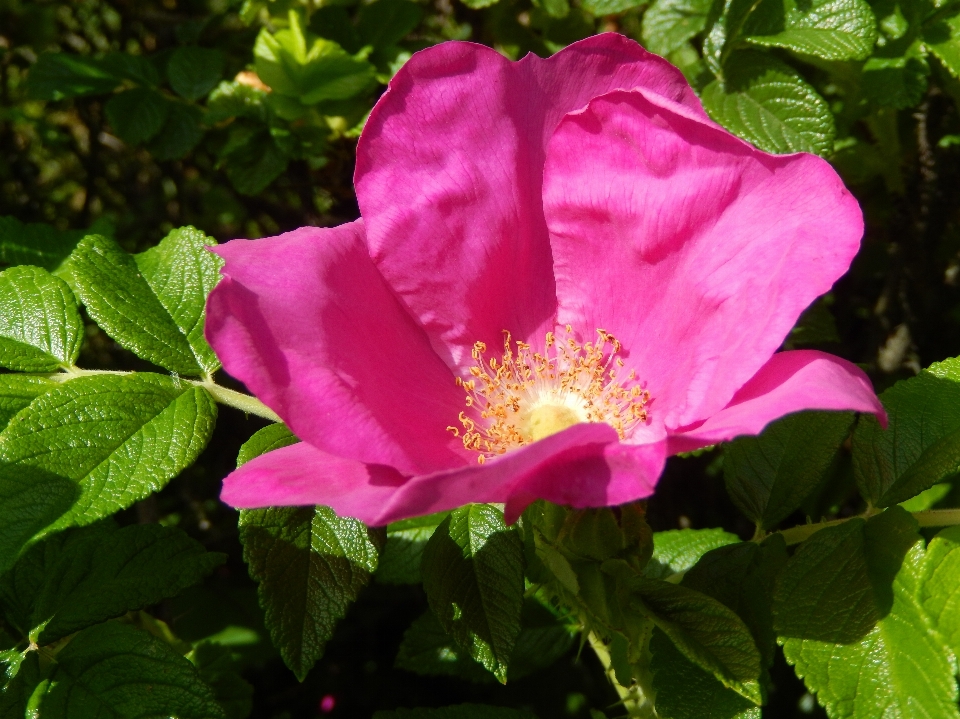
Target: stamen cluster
(575, 382)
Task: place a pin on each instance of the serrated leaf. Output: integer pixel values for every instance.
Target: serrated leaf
(769, 104)
(38, 244)
(400, 559)
(896, 76)
(942, 37)
(459, 711)
(311, 69)
(742, 577)
(40, 325)
(939, 587)
(194, 71)
(180, 272)
(17, 391)
(137, 115)
(705, 631)
(271, 437)
(116, 438)
(310, 565)
(473, 575)
(677, 550)
(386, 22)
(769, 476)
(828, 29)
(838, 584)
(685, 691)
(600, 8)
(180, 133)
(122, 301)
(428, 650)
(233, 99)
(921, 446)
(668, 24)
(57, 75)
(252, 160)
(115, 671)
(84, 576)
(898, 670)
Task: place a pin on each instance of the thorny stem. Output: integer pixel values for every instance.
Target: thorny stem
(928, 518)
(229, 397)
(633, 699)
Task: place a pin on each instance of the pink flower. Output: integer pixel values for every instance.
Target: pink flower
(565, 272)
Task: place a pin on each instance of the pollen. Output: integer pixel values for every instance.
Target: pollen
(523, 396)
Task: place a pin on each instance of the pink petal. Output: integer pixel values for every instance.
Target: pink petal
(788, 382)
(303, 475)
(448, 178)
(307, 323)
(694, 249)
(583, 466)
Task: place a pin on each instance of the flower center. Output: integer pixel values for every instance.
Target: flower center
(525, 396)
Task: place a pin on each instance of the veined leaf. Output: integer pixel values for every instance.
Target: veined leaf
(668, 24)
(23, 243)
(828, 29)
(137, 115)
(943, 39)
(473, 576)
(194, 71)
(677, 550)
(310, 565)
(18, 390)
(58, 75)
(117, 438)
(271, 437)
(40, 325)
(939, 590)
(406, 540)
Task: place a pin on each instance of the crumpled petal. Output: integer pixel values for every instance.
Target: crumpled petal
(583, 466)
(449, 172)
(304, 475)
(306, 322)
(694, 249)
(788, 382)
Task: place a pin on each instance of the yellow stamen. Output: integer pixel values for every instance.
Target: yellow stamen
(525, 396)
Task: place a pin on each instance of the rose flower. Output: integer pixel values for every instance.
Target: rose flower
(564, 273)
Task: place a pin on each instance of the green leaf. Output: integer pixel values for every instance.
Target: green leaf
(939, 589)
(35, 243)
(742, 577)
(181, 271)
(129, 307)
(57, 75)
(137, 115)
(479, 4)
(428, 650)
(668, 24)
(194, 71)
(40, 325)
(706, 632)
(685, 691)
(601, 8)
(896, 76)
(838, 584)
(233, 99)
(769, 104)
(900, 669)
(252, 160)
(17, 391)
(310, 565)
(386, 22)
(84, 576)
(827, 29)
(115, 671)
(816, 326)
(309, 68)
(942, 38)
(927, 498)
(677, 550)
(118, 438)
(473, 576)
(271, 437)
(769, 476)
(921, 446)
(400, 559)
(460, 711)
(180, 133)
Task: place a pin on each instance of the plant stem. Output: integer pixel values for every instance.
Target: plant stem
(928, 518)
(633, 699)
(231, 398)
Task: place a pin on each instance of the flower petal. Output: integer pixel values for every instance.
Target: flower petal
(303, 475)
(449, 174)
(307, 323)
(694, 249)
(789, 382)
(583, 466)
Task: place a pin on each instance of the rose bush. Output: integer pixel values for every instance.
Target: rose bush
(638, 265)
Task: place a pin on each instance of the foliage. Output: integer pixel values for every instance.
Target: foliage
(814, 573)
